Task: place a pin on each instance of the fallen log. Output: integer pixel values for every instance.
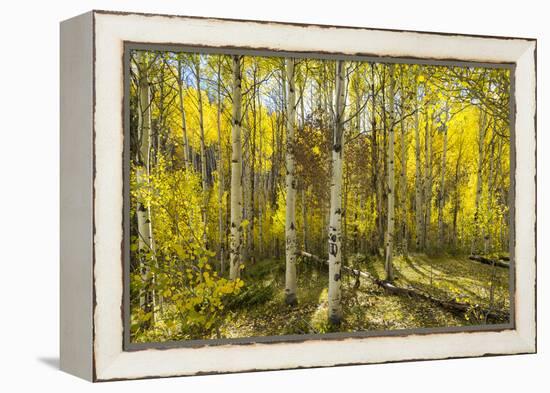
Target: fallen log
(314, 257)
(487, 261)
(451, 305)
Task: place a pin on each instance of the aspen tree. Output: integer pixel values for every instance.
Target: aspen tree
(403, 173)
(290, 219)
(221, 228)
(236, 174)
(390, 229)
(143, 170)
(489, 199)
(479, 178)
(335, 224)
(428, 181)
(186, 150)
(441, 197)
(457, 192)
(261, 198)
(203, 148)
(418, 175)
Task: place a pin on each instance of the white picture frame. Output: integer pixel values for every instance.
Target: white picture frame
(92, 140)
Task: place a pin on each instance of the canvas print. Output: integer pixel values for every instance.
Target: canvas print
(272, 195)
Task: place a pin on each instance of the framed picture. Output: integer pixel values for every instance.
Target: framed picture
(246, 195)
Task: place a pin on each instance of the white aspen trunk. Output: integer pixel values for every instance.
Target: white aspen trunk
(391, 183)
(303, 188)
(186, 155)
(161, 123)
(236, 175)
(376, 167)
(145, 241)
(335, 224)
(499, 174)
(290, 220)
(487, 237)
(203, 151)
(363, 218)
(383, 154)
(247, 211)
(260, 224)
(251, 184)
(442, 189)
(479, 180)
(302, 106)
(379, 201)
(418, 178)
(457, 195)
(357, 202)
(427, 181)
(403, 175)
(261, 198)
(221, 183)
(304, 219)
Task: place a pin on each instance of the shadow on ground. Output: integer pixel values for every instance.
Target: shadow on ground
(52, 362)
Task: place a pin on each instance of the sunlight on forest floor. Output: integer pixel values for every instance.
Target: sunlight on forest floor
(259, 309)
(369, 307)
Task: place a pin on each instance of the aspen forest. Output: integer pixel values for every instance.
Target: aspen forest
(275, 196)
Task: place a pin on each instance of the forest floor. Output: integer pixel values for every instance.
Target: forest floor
(259, 310)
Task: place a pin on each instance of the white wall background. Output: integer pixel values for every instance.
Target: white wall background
(29, 204)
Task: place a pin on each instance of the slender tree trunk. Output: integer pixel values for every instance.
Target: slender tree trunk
(290, 222)
(273, 176)
(358, 241)
(418, 186)
(143, 171)
(221, 182)
(247, 197)
(403, 175)
(303, 185)
(203, 151)
(441, 198)
(358, 203)
(250, 176)
(304, 219)
(487, 237)
(363, 218)
(427, 181)
(186, 152)
(158, 130)
(335, 225)
(236, 174)
(457, 194)
(391, 182)
(261, 180)
(499, 173)
(479, 181)
(344, 212)
(383, 178)
(375, 165)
